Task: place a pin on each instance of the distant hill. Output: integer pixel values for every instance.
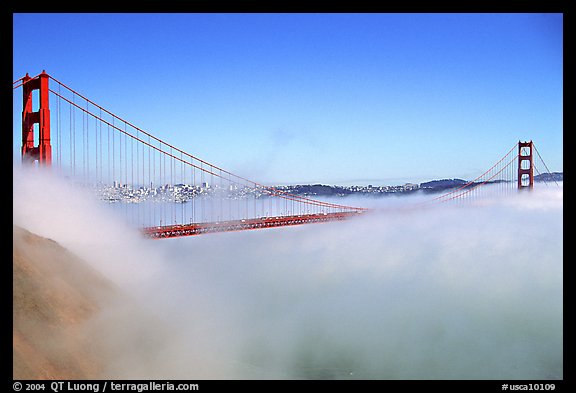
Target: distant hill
(432, 186)
(554, 176)
(440, 185)
(321, 189)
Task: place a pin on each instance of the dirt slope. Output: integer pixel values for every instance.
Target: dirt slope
(54, 295)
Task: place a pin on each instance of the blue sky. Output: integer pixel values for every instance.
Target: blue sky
(329, 98)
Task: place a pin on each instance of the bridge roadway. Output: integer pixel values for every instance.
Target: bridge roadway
(167, 231)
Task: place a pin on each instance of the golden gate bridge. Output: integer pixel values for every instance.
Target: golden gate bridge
(167, 192)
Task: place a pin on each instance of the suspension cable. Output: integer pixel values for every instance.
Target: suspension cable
(545, 166)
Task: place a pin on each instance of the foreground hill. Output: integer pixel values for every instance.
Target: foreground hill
(54, 295)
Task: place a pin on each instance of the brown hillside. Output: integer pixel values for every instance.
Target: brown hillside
(54, 295)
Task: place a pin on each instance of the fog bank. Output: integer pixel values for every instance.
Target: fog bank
(446, 292)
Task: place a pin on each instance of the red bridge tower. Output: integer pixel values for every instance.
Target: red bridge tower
(43, 152)
(525, 165)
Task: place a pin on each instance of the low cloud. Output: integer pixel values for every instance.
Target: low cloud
(445, 292)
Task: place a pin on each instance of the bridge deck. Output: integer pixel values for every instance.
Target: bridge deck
(167, 231)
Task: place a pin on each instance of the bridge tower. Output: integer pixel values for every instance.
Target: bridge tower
(43, 152)
(525, 165)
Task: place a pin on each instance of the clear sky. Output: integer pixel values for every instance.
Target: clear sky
(330, 98)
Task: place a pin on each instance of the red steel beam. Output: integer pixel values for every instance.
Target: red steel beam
(169, 231)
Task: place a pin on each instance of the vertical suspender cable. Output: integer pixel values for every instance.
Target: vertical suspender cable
(87, 149)
(58, 140)
(113, 154)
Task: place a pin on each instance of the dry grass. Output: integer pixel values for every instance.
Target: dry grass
(55, 294)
